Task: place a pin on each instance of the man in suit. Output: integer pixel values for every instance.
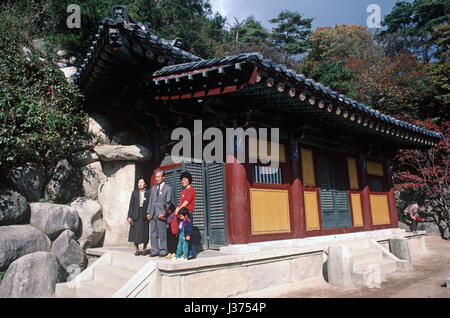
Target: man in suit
(137, 217)
(161, 193)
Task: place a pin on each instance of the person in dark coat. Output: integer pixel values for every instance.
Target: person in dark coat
(160, 194)
(139, 225)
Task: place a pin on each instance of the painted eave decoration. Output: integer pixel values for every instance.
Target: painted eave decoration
(251, 75)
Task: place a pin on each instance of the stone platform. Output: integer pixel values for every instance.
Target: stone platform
(232, 271)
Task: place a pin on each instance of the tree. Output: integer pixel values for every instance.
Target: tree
(40, 112)
(410, 25)
(291, 33)
(236, 28)
(423, 175)
(252, 31)
(392, 84)
(191, 20)
(266, 49)
(334, 53)
(439, 73)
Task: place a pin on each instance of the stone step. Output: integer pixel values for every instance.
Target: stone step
(129, 262)
(354, 244)
(368, 255)
(111, 276)
(92, 289)
(373, 271)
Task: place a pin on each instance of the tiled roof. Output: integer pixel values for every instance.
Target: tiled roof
(292, 79)
(122, 47)
(125, 50)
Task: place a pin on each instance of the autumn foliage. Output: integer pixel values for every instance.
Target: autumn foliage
(423, 175)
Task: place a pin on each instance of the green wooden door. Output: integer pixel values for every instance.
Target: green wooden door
(208, 181)
(333, 191)
(216, 223)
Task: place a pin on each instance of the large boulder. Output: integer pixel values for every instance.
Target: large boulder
(92, 177)
(28, 180)
(83, 158)
(100, 127)
(14, 207)
(53, 219)
(92, 225)
(123, 153)
(114, 195)
(83, 142)
(69, 252)
(33, 275)
(65, 183)
(19, 240)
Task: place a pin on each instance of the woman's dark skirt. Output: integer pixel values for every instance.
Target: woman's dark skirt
(139, 232)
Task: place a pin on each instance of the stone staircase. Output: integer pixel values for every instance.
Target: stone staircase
(372, 263)
(370, 267)
(103, 278)
(107, 280)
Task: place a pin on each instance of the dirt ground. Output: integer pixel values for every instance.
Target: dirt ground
(427, 279)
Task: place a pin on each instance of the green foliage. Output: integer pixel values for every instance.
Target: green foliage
(40, 113)
(190, 20)
(410, 26)
(51, 23)
(252, 31)
(439, 72)
(336, 75)
(291, 32)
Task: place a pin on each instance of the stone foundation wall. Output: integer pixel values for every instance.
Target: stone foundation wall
(235, 279)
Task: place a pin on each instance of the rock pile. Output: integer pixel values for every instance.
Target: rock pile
(48, 221)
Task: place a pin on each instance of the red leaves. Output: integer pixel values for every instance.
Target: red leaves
(425, 170)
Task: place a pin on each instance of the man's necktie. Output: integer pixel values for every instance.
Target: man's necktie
(157, 192)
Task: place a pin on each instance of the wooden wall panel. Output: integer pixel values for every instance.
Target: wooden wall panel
(356, 209)
(269, 211)
(380, 209)
(308, 167)
(352, 173)
(254, 153)
(374, 168)
(311, 211)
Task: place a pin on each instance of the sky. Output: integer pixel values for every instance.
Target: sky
(324, 12)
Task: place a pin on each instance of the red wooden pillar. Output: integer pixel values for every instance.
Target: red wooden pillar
(237, 192)
(393, 216)
(365, 195)
(296, 201)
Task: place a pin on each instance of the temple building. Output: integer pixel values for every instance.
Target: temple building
(334, 174)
